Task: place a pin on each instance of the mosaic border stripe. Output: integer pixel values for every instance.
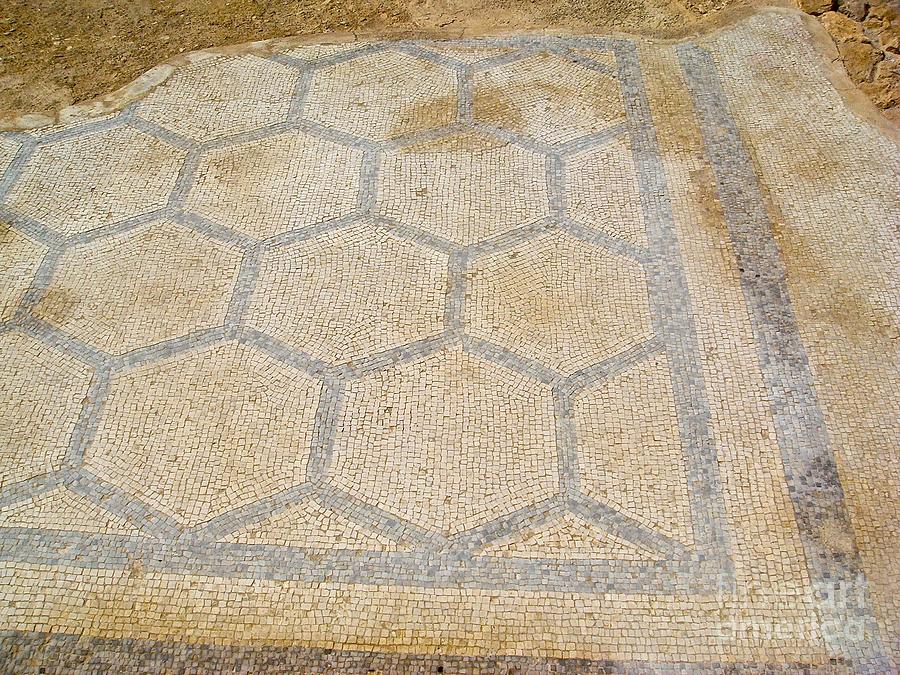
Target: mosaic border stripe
(848, 623)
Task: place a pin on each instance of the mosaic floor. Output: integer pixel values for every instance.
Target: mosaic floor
(498, 355)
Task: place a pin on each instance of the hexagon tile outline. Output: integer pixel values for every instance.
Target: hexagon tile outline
(426, 558)
(707, 565)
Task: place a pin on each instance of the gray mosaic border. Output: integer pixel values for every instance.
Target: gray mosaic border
(672, 315)
(438, 560)
(848, 623)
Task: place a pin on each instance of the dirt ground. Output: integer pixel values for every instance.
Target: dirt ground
(54, 53)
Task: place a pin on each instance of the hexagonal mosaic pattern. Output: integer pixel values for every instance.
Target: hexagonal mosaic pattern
(43, 389)
(442, 478)
(154, 283)
(400, 356)
(464, 188)
(226, 95)
(276, 184)
(549, 97)
(80, 184)
(333, 297)
(382, 95)
(213, 448)
(20, 255)
(534, 298)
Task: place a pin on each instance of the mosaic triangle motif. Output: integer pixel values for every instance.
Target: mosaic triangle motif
(64, 510)
(311, 525)
(571, 538)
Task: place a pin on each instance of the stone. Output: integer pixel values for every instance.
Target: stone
(860, 59)
(19, 259)
(884, 89)
(883, 23)
(842, 28)
(560, 302)
(410, 95)
(890, 38)
(883, 11)
(857, 52)
(227, 95)
(153, 283)
(419, 180)
(548, 97)
(816, 6)
(269, 186)
(855, 9)
(80, 184)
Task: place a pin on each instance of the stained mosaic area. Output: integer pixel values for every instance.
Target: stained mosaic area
(472, 355)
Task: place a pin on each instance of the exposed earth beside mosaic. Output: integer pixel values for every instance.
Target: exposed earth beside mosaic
(534, 353)
(56, 53)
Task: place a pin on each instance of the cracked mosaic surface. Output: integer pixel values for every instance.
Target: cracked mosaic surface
(477, 355)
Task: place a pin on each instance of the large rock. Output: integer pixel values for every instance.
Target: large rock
(842, 28)
(857, 52)
(855, 9)
(883, 23)
(890, 39)
(816, 6)
(884, 89)
(883, 11)
(860, 59)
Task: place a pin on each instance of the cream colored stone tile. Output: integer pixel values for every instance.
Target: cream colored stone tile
(315, 53)
(154, 283)
(471, 53)
(41, 390)
(201, 433)
(464, 188)
(65, 511)
(79, 123)
(222, 96)
(86, 182)
(402, 619)
(630, 455)
(277, 184)
(8, 150)
(833, 181)
(602, 191)
(751, 470)
(569, 537)
(350, 293)
(20, 257)
(559, 301)
(312, 525)
(607, 58)
(439, 442)
(383, 95)
(431, 421)
(548, 97)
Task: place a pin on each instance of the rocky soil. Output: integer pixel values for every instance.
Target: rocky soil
(867, 36)
(54, 53)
